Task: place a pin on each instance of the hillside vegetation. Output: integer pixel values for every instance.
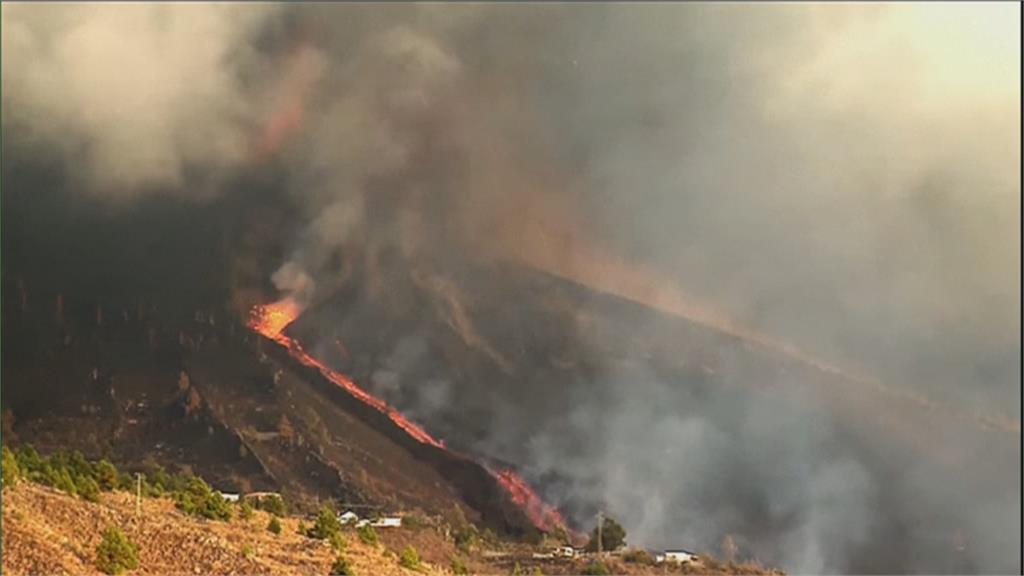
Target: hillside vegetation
(49, 532)
(51, 525)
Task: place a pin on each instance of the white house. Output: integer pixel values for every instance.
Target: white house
(678, 555)
(262, 495)
(349, 517)
(229, 496)
(565, 552)
(387, 522)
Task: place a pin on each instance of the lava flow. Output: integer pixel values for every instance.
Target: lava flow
(543, 516)
(271, 320)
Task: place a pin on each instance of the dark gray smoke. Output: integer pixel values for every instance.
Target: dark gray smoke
(844, 178)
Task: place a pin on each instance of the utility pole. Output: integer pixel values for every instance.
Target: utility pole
(600, 522)
(138, 495)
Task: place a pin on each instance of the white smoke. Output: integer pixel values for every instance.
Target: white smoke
(133, 95)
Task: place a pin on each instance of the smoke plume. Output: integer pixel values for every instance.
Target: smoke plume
(839, 179)
(134, 97)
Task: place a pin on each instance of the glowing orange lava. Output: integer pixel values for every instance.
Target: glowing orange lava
(270, 320)
(543, 516)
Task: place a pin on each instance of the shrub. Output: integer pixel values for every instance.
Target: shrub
(106, 474)
(517, 570)
(116, 553)
(302, 528)
(465, 537)
(613, 536)
(151, 489)
(274, 525)
(63, 481)
(46, 475)
(131, 482)
(126, 482)
(458, 566)
(367, 534)
(161, 480)
(247, 551)
(341, 567)
(595, 568)
(245, 510)
(198, 499)
(11, 472)
(410, 558)
(272, 504)
(29, 461)
(87, 488)
(76, 464)
(338, 542)
(326, 524)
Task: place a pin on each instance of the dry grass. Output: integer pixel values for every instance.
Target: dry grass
(47, 532)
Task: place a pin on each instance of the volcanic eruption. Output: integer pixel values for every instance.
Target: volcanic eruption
(272, 319)
(661, 262)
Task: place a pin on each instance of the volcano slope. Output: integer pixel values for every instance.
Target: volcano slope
(685, 432)
(216, 399)
(313, 437)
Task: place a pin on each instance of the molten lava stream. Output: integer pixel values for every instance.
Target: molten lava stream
(271, 320)
(543, 516)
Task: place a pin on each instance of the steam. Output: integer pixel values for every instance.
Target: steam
(844, 178)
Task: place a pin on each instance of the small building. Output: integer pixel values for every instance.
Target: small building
(678, 555)
(262, 495)
(565, 552)
(349, 517)
(387, 522)
(230, 497)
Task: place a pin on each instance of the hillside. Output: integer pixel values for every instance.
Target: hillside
(515, 367)
(48, 532)
(208, 396)
(591, 394)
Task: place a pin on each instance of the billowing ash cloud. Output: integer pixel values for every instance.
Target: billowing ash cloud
(134, 96)
(842, 177)
(845, 178)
